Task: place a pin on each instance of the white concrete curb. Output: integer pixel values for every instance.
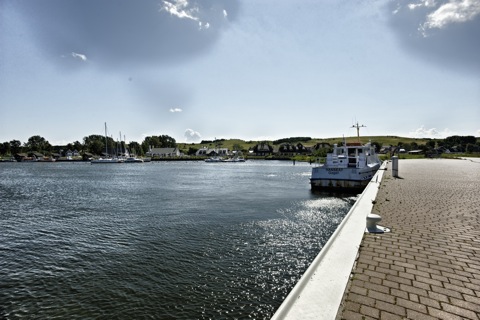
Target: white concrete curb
(319, 292)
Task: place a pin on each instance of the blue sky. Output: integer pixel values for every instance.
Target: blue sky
(250, 69)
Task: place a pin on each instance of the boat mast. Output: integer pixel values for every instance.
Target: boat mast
(357, 126)
(106, 141)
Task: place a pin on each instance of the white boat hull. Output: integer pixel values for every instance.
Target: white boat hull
(105, 161)
(344, 179)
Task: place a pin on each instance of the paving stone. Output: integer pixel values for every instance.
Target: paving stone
(369, 311)
(390, 308)
(414, 315)
(440, 314)
(467, 304)
(352, 306)
(465, 313)
(407, 304)
(350, 315)
(381, 296)
(428, 267)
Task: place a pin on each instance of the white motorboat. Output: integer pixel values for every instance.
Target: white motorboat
(133, 160)
(214, 159)
(234, 159)
(348, 168)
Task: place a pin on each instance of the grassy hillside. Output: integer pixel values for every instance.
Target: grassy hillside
(245, 145)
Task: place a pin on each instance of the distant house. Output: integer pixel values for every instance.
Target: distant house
(262, 149)
(322, 145)
(287, 149)
(386, 149)
(22, 157)
(164, 152)
(69, 153)
(37, 155)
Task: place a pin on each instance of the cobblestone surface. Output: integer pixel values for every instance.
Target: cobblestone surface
(428, 266)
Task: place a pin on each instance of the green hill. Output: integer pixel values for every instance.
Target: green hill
(244, 145)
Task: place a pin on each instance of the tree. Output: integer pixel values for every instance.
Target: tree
(470, 148)
(5, 148)
(95, 143)
(96, 147)
(192, 151)
(238, 147)
(162, 141)
(430, 144)
(15, 146)
(38, 144)
(78, 146)
(135, 148)
(377, 146)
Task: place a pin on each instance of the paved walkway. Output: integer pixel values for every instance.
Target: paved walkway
(428, 267)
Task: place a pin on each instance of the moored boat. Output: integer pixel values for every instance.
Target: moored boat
(133, 159)
(234, 159)
(107, 159)
(349, 167)
(214, 159)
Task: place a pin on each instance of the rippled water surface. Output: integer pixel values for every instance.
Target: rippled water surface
(169, 240)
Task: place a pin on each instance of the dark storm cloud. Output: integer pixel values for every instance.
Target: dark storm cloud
(119, 32)
(442, 32)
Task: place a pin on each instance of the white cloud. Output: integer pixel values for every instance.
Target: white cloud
(173, 110)
(179, 8)
(183, 10)
(423, 132)
(203, 25)
(192, 136)
(424, 3)
(79, 56)
(454, 11)
(225, 14)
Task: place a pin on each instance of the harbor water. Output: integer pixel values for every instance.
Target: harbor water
(166, 240)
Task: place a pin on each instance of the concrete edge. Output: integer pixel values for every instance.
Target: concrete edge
(319, 292)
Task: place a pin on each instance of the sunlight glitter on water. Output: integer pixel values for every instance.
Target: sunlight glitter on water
(175, 240)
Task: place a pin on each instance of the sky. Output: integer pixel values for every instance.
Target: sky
(245, 69)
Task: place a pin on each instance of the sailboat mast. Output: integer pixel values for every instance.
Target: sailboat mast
(106, 141)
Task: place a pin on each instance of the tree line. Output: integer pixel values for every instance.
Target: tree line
(460, 144)
(98, 145)
(94, 144)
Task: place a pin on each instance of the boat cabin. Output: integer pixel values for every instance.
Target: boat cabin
(352, 155)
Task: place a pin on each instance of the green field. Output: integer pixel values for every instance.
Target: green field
(245, 145)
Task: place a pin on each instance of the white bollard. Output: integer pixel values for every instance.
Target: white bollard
(395, 166)
(372, 227)
(372, 220)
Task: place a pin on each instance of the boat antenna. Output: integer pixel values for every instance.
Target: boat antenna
(357, 126)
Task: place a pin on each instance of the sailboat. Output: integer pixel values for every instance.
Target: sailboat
(108, 159)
